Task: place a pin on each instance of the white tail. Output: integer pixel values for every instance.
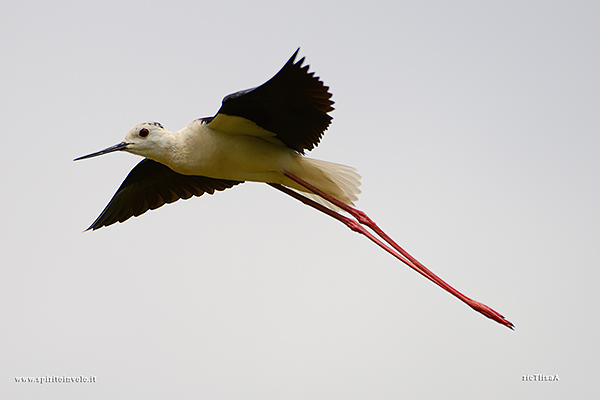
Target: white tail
(339, 181)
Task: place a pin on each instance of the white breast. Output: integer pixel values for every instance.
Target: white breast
(200, 150)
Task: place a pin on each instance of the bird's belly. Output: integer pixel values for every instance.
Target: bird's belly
(237, 157)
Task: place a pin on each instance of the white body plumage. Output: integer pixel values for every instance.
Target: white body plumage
(242, 151)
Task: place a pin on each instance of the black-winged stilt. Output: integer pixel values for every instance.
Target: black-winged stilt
(260, 135)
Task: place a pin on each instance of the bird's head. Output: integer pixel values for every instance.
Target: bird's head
(148, 139)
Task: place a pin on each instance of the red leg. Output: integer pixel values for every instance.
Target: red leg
(404, 256)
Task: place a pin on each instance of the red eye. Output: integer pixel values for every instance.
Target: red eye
(144, 132)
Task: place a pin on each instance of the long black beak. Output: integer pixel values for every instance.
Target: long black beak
(116, 147)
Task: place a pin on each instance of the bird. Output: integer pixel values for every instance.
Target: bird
(261, 135)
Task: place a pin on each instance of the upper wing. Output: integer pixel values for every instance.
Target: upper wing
(149, 185)
(292, 105)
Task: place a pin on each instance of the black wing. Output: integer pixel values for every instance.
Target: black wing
(149, 185)
(293, 105)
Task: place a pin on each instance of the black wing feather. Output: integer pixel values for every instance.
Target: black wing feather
(150, 185)
(293, 105)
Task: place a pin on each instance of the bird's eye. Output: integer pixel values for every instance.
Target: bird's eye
(144, 132)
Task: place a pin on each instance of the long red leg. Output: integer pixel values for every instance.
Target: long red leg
(404, 256)
(350, 223)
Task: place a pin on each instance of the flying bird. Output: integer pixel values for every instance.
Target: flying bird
(261, 135)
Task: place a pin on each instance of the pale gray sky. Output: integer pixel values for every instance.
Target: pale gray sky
(474, 125)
